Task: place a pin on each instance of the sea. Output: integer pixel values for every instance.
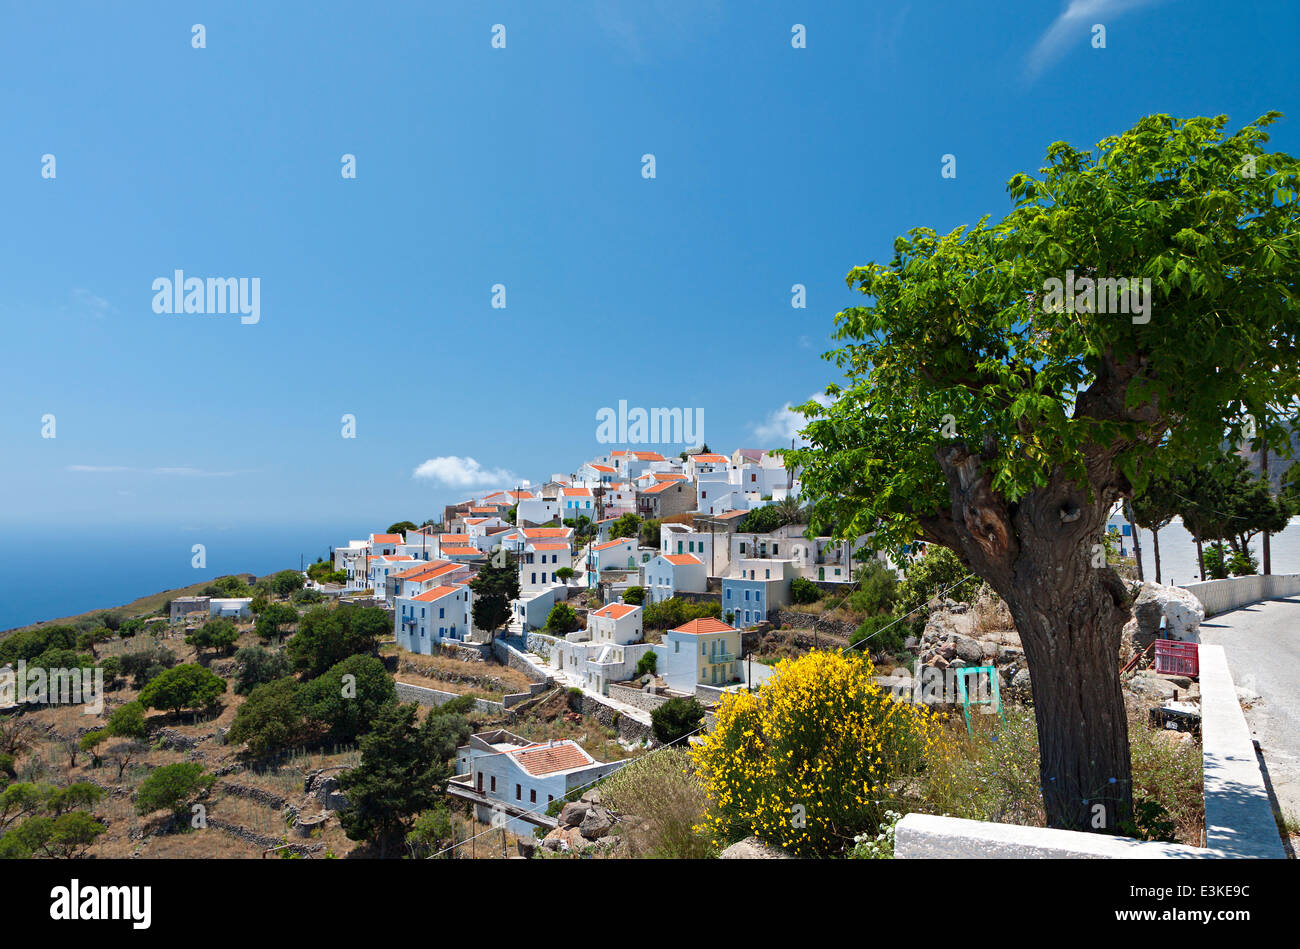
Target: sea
(90, 568)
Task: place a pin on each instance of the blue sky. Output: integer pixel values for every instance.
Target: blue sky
(519, 166)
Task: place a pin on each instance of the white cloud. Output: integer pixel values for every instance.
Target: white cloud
(97, 305)
(1074, 25)
(784, 424)
(463, 473)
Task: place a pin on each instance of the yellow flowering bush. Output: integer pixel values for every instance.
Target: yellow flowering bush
(814, 758)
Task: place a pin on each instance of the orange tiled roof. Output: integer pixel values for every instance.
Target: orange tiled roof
(614, 542)
(660, 487)
(453, 538)
(549, 546)
(682, 559)
(431, 568)
(437, 593)
(385, 538)
(647, 456)
(462, 551)
(547, 759)
(615, 610)
(668, 476)
(706, 625)
(711, 458)
(547, 531)
(601, 468)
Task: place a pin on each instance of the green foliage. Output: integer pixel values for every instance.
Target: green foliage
(494, 586)
(1216, 563)
(348, 696)
(27, 644)
(274, 619)
(285, 582)
(186, 686)
(675, 611)
(172, 787)
(877, 588)
(649, 532)
(307, 596)
(131, 627)
(634, 596)
(218, 634)
(256, 666)
(648, 663)
(79, 795)
(628, 525)
(326, 637)
(562, 619)
(761, 520)
(403, 773)
(144, 665)
(272, 719)
(881, 634)
(803, 590)
(662, 790)
(228, 587)
(937, 573)
(564, 573)
(127, 721)
(401, 527)
(675, 719)
(430, 833)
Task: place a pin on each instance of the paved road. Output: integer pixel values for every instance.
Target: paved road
(1262, 643)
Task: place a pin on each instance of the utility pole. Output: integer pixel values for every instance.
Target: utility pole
(1137, 540)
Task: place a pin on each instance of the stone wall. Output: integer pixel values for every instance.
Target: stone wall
(646, 701)
(1219, 596)
(628, 728)
(789, 619)
(512, 657)
(434, 697)
(712, 597)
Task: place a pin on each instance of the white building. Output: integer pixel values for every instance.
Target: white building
(436, 616)
(618, 623)
(524, 776)
(539, 562)
(669, 574)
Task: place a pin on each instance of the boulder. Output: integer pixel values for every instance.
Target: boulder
(572, 814)
(968, 650)
(751, 848)
(596, 824)
(1181, 611)
(1022, 684)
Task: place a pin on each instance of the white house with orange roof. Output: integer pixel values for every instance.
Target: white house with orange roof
(539, 561)
(596, 473)
(669, 574)
(439, 615)
(577, 502)
(383, 545)
(618, 623)
(706, 463)
(381, 568)
(522, 776)
(701, 652)
(425, 576)
(547, 533)
(617, 554)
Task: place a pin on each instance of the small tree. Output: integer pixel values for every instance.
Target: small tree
(172, 787)
(628, 525)
(803, 590)
(272, 719)
(186, 686)
(562, 619)
(675, 719)
(648, 663)
(634, 596)
(256, 665)
(218, 634)
(274, 621)
(346, 699)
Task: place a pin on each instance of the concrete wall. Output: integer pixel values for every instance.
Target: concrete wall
(1238, 814)
(1219, 596)
(925, 836)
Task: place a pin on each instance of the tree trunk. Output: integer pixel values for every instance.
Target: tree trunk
(1267, 552)
(1071, 641)
(1045, 557)
(1155, 548)
(1200, 557)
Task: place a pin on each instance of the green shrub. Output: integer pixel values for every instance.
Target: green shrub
(648, 663)
(172, 787)
(661, 789)
(803, 590)
(675, 719)
(562, 619)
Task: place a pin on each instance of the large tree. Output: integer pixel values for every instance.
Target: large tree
(494, 586)
(993, 406)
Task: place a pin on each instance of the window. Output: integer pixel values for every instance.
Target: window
(677, 646)
(532, 796)
(767, 574)
(494, 782)
(519, 792)
(480, 782)
(441, 612)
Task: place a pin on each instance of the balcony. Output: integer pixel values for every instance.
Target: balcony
(718, 657)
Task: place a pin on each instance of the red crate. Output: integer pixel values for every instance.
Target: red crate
(1177, 658)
